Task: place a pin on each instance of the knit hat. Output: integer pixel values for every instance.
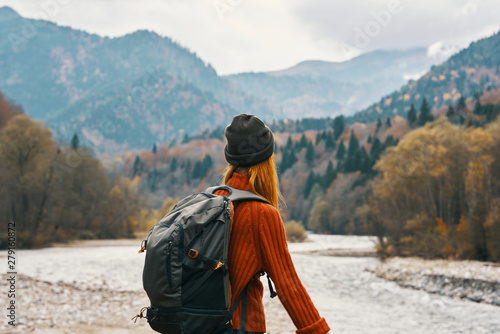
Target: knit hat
(249, 141)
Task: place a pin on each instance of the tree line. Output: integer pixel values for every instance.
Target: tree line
(56, 193)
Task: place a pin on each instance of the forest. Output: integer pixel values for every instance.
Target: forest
(55, 192)
(426, 185)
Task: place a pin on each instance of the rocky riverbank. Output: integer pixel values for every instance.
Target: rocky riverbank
(471, 280)
(57, 307)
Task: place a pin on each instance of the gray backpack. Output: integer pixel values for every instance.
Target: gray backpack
(185, 271)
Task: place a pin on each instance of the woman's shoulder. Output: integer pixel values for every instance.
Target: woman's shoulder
(263, 210)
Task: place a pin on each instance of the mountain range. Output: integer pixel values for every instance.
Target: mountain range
(132, 91)
(468, 73)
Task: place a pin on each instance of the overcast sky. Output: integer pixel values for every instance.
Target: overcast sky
(263, 35)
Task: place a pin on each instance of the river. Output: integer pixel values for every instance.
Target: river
(346, 293)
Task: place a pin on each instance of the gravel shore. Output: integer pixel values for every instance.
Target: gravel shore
(96, 287)
(472, 280)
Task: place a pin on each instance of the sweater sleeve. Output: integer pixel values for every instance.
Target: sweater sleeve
(277, 263)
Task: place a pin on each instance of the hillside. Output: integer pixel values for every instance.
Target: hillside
(473, 69)
(320, 88)
(131, 91)
(65, 77)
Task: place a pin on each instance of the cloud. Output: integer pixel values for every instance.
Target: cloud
(419, 23)
(262, 35)
(441, 50)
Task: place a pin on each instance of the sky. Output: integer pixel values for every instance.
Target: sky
(264, 35)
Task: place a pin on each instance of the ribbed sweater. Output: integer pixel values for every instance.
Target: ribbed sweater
(258, 242)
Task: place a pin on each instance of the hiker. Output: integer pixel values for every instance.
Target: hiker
(258, 241)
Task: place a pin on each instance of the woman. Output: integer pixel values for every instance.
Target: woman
(258, 239)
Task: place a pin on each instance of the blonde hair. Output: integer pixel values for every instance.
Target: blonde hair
(263, 179)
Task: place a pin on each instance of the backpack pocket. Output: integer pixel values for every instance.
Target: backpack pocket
(202, 286)
(186, 320)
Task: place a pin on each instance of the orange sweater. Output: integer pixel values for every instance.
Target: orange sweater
(258, 242)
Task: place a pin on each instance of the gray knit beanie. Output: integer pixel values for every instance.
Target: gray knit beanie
(249, 141)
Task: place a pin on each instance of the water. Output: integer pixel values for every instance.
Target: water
(345, 292)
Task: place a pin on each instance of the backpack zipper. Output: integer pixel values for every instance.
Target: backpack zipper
(169, 269)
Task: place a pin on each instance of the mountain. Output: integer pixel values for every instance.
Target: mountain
(80, 82)
(469, 72)
(131, 91)
(320, 88)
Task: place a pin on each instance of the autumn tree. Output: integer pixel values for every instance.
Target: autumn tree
(435, 196)
(8, 109)
(26, 152)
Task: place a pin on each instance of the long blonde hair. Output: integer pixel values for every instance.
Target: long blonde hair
(263, 179)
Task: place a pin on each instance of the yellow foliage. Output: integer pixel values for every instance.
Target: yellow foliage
(476, 173)
(441, 226)
(168, 204)
(294, 231)
(479, 139)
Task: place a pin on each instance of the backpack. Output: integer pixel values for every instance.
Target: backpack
(185, 271)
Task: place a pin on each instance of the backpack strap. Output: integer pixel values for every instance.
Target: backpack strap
(237, 194)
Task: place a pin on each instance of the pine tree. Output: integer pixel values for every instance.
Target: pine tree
(388, 122)
(370, 139)
(340, 151)
(412, 116)
(289, 143)
(353, 145)
(330, 175)
(329, 142)
(425, 113)
(390, 141)
(338, 126)
(310, 153)
(152, 180)
(197, 170)
(137, 166)
(303, 141)
(287, 160)
(379, 125)
(339, 166)
(154, 150)
(284, 162)
(478, 110)
(376, 150)
(461, 104)
(365, 166)
(311, 179)
(207, 164)
(75, 142)
(450, 112)
(356, 160)
(173, 165)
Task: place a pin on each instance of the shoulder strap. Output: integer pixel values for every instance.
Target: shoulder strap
(237, 194)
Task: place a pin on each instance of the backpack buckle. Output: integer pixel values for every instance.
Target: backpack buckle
(192, 253)
(218, 265)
